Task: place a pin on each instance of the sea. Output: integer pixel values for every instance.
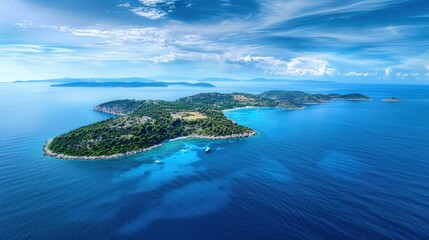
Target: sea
(341, 170)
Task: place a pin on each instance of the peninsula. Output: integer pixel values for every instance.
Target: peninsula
(142, 125)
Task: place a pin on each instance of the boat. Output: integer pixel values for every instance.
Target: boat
(207, 150)
(158, 162)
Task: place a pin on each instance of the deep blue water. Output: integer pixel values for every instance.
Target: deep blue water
(342, 170)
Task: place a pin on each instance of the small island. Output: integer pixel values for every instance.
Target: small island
(143, 125)
(391, 99)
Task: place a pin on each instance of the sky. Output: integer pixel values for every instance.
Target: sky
(337, 40)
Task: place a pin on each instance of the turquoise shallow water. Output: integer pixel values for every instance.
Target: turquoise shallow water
(350, 170)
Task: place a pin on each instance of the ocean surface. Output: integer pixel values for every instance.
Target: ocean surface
(342, 170)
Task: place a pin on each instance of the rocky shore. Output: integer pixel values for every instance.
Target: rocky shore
(118, 155)
(108, 111)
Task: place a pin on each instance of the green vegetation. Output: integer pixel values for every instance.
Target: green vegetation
(299, 98)
(143, 124)
(150, 123)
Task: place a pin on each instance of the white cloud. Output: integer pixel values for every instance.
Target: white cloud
(300, 66)
(125, 4)
(276, 11)
(155, 2)
(407, 74)
(164, 58)
(427, 68)
(21, 48)
(387, 72)
(123, 44)
(358, 74)
(31, 49)
(151, 13)
(148, 40)
(155, 36)
(25, 24)
(152, 9)
(421, 16)
(351, 36)
(308, 66)
(117, 35)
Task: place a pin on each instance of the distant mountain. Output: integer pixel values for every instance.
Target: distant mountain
(287, 80)
(169, 79)
(218, 80)
(262, 80)
(130, 84)
(111, 84)
(173, 78)
(201, 84)
(72, 80)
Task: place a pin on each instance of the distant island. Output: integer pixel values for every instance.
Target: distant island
(213, 79)
(72, 80)
(144, 125)
(391, 99)
(134, 82)
(130, 84)
(171, 80)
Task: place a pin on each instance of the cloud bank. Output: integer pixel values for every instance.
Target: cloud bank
(324, 39)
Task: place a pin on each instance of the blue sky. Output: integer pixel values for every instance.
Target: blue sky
(339, 40)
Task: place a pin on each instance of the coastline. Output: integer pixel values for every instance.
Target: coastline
(102, 110)
(48, 152)
(299, 108)
(369, 99)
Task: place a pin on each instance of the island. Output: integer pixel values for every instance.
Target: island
(391, 99)
(130, 84)
(139, 126)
